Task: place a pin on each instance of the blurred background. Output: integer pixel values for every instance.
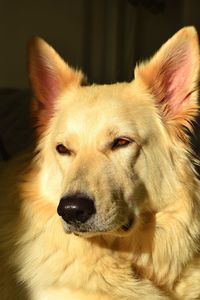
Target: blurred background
(105, 38)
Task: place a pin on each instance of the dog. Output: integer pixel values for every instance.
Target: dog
(107, 206)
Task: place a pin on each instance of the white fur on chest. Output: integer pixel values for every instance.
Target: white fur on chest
(57, 261)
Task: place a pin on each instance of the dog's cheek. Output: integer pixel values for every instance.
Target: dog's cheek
(127, 171)
(52, 181)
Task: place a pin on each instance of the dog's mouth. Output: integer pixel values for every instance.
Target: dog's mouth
(127, 226)
(91, 230)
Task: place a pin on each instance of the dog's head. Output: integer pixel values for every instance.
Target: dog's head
(109, 153)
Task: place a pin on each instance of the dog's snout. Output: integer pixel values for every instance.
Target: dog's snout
(76, 208)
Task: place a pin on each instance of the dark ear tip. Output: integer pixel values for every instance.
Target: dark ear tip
(34, 40)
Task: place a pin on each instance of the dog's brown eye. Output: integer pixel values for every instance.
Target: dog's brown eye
(61, 149)
(120, 142)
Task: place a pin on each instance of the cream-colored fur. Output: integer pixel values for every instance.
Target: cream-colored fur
(152, 178)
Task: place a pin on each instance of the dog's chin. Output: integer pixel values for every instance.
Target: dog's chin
(118, 230)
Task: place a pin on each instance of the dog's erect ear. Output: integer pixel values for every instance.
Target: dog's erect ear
(171, 76)
(49, 76)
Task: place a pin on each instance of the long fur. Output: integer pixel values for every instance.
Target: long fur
(153, 178)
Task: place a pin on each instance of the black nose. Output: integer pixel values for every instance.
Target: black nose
(76, 208)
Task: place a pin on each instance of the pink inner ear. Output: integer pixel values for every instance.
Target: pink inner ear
(171, 82)
(47, 84)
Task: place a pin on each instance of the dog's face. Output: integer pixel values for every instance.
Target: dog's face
(97, 143)
(105, 151)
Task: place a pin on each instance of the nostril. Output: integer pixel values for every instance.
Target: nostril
(76, 208)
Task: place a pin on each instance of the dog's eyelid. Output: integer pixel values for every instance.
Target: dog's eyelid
(120, 142)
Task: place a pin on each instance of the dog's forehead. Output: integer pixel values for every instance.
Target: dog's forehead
(113, 99)
(91, 104)
(101, 107)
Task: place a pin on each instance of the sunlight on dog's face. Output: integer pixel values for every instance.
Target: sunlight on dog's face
(94, 148)
(107, 152)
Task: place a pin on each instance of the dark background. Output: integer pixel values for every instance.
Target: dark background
(105, 38)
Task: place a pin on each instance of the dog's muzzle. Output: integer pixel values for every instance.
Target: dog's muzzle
(79, 216)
